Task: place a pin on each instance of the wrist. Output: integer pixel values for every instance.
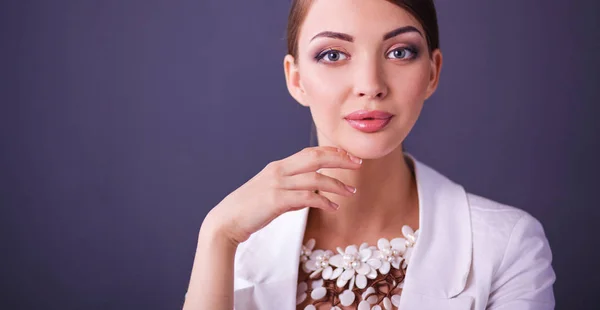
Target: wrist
(212, 230)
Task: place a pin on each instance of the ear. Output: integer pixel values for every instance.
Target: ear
(434, 76)
(292, 79)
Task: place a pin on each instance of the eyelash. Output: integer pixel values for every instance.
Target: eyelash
(319, 57)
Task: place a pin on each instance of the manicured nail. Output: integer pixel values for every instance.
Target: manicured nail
(334, 205)
(351, 189)
(355, 159)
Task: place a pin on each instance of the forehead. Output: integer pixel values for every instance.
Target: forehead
(359, 18)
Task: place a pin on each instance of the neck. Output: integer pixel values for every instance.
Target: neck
(386, 198)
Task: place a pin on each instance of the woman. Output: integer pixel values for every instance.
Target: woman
(382, 230)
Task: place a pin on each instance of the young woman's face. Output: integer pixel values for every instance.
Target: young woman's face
(362, 55)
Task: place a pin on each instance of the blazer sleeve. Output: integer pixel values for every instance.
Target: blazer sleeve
(525, 278)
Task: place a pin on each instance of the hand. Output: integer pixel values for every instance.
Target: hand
(284, 185)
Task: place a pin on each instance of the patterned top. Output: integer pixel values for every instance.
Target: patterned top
(363, 278)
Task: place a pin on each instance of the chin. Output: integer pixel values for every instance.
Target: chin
(370, 148)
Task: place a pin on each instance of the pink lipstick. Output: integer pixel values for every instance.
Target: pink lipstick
(369, 121)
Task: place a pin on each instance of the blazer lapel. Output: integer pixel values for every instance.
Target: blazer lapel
(441, 260)
(267, 263)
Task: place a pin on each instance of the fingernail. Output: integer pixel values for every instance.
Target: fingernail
(334, 205)
(351, 189)
(355, 159)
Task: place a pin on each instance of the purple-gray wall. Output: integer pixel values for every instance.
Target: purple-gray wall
(123, 122)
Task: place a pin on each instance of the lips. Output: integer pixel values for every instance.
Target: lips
(366, 115)
(369, 121)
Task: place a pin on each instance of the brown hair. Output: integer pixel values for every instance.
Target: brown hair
(423, 10)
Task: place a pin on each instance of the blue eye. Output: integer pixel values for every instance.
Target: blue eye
(401, 53)
(331, 56)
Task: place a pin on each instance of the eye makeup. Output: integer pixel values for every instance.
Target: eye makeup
(332, 55)
(413, 50)
(335, 53)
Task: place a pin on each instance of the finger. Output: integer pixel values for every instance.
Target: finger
(313, 158)
(299, 199)
(315, 181)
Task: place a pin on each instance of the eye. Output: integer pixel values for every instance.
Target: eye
(331, 56)
(401, 53)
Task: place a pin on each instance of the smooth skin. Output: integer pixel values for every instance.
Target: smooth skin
(368, 73)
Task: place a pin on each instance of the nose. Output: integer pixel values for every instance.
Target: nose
(370, 82)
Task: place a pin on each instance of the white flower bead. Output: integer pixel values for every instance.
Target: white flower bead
(318, 293)
(336, 273)
(327, 273)
(361, 281)
(301, 298)
(387, 303)
(301, 292)
(372, 299)
(347, 298)
(364, 305)
(316, 284)
(396, 300)
(341, 282)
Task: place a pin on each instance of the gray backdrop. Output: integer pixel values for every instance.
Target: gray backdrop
(123, 122)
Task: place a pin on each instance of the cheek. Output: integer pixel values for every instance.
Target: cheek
(325, 93)
(410, 85)
(324, 88)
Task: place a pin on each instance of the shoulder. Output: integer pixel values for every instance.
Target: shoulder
(496, 226)
(510, 249)
(494, 221)
(495, 218)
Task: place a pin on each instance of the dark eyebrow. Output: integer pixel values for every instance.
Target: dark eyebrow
(334, 35)
(400, 31)
(349, 38)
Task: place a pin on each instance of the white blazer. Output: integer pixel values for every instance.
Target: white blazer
(472, 253)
